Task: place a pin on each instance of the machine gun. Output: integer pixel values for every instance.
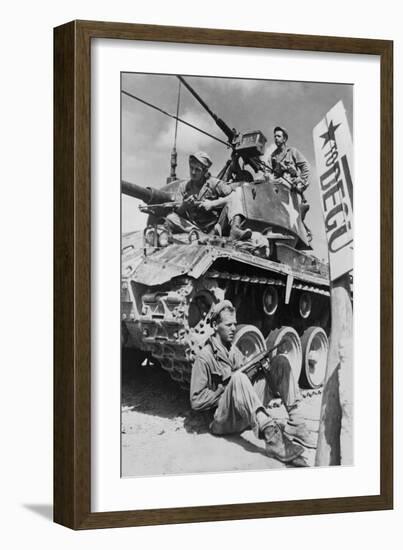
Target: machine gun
(262, 204)
(259, 364)
(162, 209)
(248, 146)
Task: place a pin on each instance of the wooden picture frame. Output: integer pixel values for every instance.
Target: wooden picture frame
(72, 273)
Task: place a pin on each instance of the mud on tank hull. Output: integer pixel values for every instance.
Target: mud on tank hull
(167, 298)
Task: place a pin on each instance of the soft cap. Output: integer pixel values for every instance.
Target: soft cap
(279, 128)
(218, 308)
(202, 157)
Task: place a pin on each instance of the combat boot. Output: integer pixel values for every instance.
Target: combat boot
(237, 233)
(281, 448)
(296, 429)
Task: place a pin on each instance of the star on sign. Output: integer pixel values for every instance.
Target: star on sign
(292, 212)
(329, 135)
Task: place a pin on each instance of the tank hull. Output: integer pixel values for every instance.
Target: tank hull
(168, 293)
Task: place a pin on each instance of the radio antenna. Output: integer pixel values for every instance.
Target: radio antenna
(174, 155)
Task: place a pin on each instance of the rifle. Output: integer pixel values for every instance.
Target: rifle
(259, 364)
(164, 208)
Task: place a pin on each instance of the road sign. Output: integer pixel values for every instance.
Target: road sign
(334, 163)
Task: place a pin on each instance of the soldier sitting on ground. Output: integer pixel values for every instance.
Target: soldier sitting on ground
(218, 385)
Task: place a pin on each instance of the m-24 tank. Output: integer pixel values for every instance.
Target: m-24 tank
(280, 290)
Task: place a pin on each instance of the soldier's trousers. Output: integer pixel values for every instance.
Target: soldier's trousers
(241, 400)
(177, 224)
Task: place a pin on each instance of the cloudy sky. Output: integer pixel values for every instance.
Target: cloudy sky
(148, 136)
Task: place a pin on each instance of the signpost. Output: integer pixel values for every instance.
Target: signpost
(334, 163)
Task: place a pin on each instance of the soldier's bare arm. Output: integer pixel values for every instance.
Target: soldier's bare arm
(216, 203)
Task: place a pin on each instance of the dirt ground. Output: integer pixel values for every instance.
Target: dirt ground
(161, 435)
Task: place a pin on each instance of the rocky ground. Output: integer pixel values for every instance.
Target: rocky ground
(161, 435)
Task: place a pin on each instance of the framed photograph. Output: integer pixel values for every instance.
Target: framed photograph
(223, 299)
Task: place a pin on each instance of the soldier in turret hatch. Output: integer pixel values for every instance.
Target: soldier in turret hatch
(288, 163)
(291, 165)
(202, 198)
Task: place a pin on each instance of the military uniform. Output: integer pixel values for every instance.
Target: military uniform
(291, 164)
(211, 189)
(217, 386)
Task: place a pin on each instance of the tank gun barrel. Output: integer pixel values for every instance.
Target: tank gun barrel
(149, 195)
(220, 123)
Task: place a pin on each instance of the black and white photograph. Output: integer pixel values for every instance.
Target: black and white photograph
(201, 265)
(236, 274)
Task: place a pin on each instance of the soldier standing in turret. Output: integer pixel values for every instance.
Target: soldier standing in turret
(288, 163)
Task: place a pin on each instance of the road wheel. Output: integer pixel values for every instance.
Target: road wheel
(315, 347)
(249, 340)
(270, 301)
(289, 344)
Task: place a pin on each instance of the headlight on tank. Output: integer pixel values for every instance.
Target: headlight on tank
(163, 238)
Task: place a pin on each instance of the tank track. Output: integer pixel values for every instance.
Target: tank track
(277, 402)
(166, 331)
(164, 319)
